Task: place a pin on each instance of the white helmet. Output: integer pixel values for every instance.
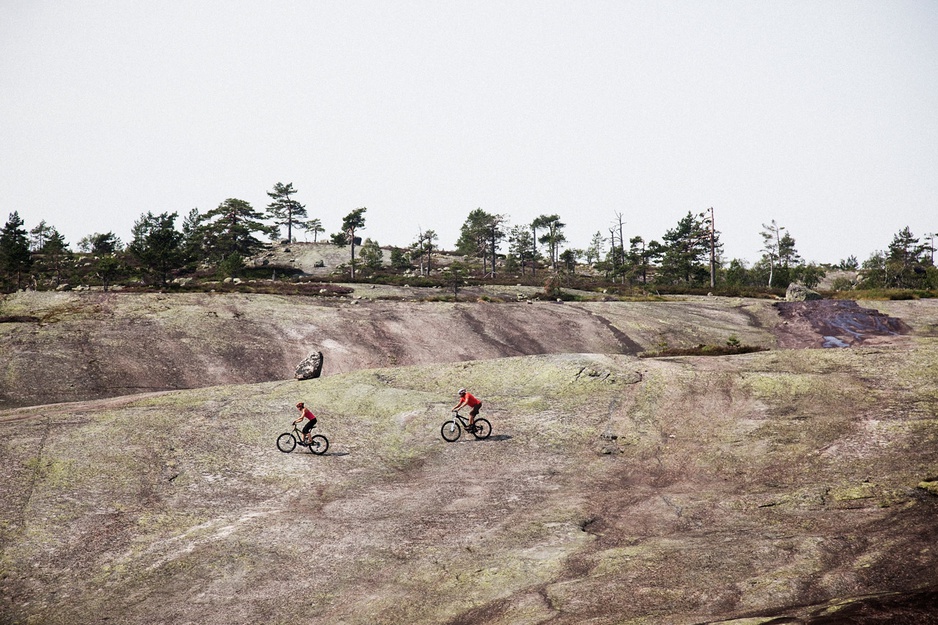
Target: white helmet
(461, 391)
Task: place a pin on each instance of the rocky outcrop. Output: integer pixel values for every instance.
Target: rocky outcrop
(310, 368)
(800, 293)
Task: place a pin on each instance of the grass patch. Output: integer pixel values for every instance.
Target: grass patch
(885, 294)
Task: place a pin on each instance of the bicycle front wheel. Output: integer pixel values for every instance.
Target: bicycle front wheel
(483, 428)
(450, 431)
(318, 445)
(286, 443)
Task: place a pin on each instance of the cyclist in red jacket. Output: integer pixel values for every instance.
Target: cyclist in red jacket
(468, 399)
(306, 413)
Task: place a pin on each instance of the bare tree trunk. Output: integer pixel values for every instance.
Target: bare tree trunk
(493, 251)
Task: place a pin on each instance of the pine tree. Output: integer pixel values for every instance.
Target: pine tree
(372, 255)
(40, 234)
(285, 210)
(15, 259)
(314, 226)
(554, 236)
(521, 246)
(157, 245)
(422, 250)
(480, 236)
(229, 229)
(55, 252)
(353, 222)
(905, 260)
(595, 250)
(686, 252)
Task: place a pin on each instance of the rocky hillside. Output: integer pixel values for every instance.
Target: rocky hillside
(785, 486)
(61, 347)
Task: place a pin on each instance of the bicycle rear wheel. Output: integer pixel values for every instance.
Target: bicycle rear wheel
(450, 431)
(318, 445)
(483, 428)
(286, 443)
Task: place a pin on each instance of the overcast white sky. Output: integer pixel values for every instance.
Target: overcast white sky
(821, 115)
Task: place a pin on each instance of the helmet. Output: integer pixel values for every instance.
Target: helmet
(299, 405)
(461, 391)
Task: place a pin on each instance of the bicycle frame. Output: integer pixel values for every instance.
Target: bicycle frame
(463, 420)
(298, 433)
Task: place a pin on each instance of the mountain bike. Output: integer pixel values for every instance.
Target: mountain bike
(288, 441)
(452, 428)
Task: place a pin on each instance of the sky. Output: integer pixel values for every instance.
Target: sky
(820, 115)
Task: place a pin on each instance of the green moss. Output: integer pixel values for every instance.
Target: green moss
(398, 450)
(919, 372)
(853, 493)
(612, 561)
(779, 384)
(53, 473)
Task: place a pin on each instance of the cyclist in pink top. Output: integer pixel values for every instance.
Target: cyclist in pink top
(468, 399)
(306, 413)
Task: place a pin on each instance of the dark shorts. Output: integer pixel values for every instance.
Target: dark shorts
(309, 426)
(475, 410)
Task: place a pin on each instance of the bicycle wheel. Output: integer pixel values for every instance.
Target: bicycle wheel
(286, 443)
(483, 428)
(450, 431)
(318, 445)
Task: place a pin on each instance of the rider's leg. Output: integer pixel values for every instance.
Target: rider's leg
(472, 415)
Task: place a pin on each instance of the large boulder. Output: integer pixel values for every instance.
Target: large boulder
(310, 368)
(800, 293)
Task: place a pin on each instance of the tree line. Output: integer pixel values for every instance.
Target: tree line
(162, 247)
(218, 242)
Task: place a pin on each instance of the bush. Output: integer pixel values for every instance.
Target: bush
(232, 266)
(886, 294)
(842, 284)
